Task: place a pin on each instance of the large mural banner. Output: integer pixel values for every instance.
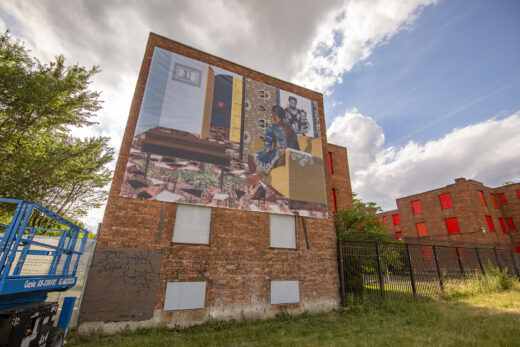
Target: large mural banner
(206, 136)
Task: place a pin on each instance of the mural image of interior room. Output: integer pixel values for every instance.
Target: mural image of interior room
(200, 125)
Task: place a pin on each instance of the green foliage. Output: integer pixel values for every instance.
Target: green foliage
(358, 224)
(481, 320)
(41, 161)
(476, 283)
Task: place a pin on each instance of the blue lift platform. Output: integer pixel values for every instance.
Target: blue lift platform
(25, 318)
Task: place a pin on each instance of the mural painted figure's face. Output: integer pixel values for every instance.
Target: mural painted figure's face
(292, 103)
(276, 119)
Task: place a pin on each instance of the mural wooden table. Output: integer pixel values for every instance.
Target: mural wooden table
(179, 144)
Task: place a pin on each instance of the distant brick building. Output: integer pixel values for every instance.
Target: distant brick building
(463, 212)
(149, 267)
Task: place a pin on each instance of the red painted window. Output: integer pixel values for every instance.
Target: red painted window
(462, 250)
(502, 199)
(481, 197)
(377, 219)
(330, 163)
(384, 219)
(421, 229)
(518, 249)
(399, 234)
(396, 219)
(416, 206)
(502, 225)
(510, 224)
(518, 192)
(452, 225)
(490, 224)
(494, 199)
(334, 200)
(427, 252)
(445, 201)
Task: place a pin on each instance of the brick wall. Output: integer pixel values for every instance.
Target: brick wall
(238, 263)
(467, 209)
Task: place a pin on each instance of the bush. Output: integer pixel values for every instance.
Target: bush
(493, 280)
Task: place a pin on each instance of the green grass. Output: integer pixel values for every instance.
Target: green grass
(482, 319)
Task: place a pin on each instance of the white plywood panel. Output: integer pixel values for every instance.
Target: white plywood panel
(192, 224)
(184, 295)
(285, 292)
(283, 231)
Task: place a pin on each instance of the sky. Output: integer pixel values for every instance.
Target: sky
(419, 91)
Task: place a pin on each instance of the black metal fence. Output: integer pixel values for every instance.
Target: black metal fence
(382, 269)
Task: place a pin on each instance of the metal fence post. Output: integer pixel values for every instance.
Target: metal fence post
(341, 273)
(412, 279)
(437, 266)
(480, 262)
(460, 262)
(380, 271)
(514, 264)
(498, 260)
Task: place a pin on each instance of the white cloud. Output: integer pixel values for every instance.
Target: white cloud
(350, 34)
(486, 152)
(281, 38)
(360, 134)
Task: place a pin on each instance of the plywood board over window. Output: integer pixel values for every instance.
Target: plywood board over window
(416, 206)
(452, 225)
(445, 200)
(192, 224)
(184, 295)
(285, 292)
(282, 231)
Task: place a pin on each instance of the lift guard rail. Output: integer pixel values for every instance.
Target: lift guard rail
(18, 244)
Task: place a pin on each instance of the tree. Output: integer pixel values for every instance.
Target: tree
(41, 160)
(360, 222)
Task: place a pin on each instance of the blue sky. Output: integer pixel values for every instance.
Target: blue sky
(419, 91)
(457, 65)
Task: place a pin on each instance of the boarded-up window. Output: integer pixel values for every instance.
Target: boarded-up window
(421, 229)
(396, 219)
(192, 224)
(399, 234)
(502, 225)
(384, 219)
(334, 206)
(502, 199)
(282, 231)
(331, 168)
(461, 249)
(416, 206)
(518, 193)
(427, 252)
(481, 197)
(518, 249)
(445, 201)
(452, 225)
(510, 224)
(494, 199)
(490, 224)
(184, 295)
(285, 292)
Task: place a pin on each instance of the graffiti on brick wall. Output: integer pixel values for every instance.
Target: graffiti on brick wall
(122, 285)
(135, 267)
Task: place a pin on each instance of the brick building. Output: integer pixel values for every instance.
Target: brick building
(463, 212)
(161, 260)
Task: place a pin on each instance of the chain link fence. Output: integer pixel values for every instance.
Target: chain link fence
(401, 270)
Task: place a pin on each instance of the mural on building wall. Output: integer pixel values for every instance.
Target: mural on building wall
(206, 136)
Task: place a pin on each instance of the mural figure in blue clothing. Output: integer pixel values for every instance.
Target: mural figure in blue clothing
(278, 137)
